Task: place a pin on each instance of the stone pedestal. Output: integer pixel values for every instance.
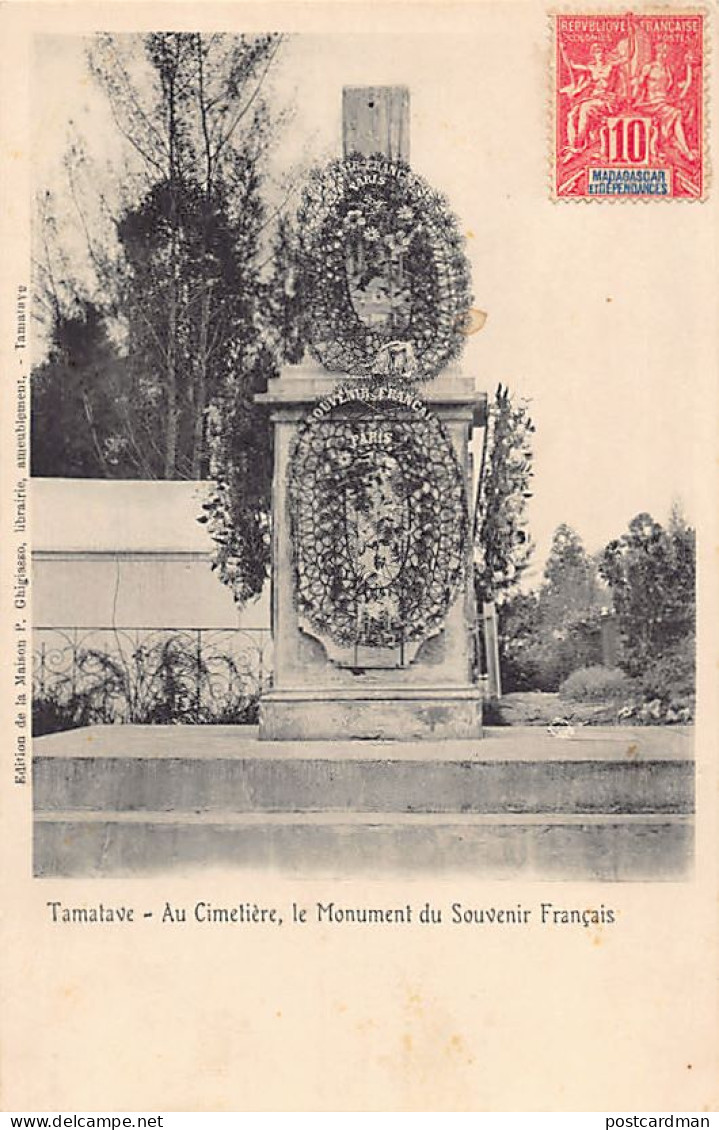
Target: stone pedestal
(421, 691)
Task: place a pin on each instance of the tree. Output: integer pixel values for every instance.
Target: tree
(172, 253)
(501, 540)
(551, 632)
(77, 393)
(195, 333)
(652, 575)
(198, 127)
(571, 592)
(237, 514)
(283, 296)
(518, 627)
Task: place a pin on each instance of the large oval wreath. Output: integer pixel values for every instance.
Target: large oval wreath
(378, 520)
(385, 279)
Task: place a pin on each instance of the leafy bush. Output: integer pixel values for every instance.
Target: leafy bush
(165, 683)
(665, 689)
(545, 662)
(517, 632)
(651, 572)
(596, 684)
(546, 635)
(53, 711)
(671, 678)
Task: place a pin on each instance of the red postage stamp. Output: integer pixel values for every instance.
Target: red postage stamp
(629, 106)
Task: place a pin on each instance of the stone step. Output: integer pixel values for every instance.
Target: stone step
(392, 782)
(120, 800)
(569, 847)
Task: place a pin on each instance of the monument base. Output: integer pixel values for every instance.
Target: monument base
(609, 804)
(373, 714)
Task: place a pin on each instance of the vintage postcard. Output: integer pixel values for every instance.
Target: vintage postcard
(359, 558)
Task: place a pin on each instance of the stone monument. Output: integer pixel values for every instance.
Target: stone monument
(372, 594)
(372, 616)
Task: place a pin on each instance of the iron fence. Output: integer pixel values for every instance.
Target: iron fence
(146, 674)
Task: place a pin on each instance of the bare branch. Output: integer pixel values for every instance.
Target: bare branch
(148, 323)
(87, 408)
(203, 118)
(280, 208)
(247, 106)
(131, 95)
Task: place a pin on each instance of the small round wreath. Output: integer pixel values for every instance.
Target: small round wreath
(385, 278)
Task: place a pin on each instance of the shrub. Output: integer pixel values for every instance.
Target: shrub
(52, 712)
(547, 661)
(665, 689)
(596, 684)
(163, 683)
(671, 678)
(651, 572)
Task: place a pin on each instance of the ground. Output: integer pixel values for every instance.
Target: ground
(539, 708)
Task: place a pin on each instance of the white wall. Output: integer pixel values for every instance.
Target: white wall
(127, 554)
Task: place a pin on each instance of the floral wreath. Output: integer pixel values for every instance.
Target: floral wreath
(378, 519)
(375, 237)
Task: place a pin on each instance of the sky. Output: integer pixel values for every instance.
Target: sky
(599, 315)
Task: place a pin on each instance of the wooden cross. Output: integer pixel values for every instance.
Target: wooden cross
(375, 119)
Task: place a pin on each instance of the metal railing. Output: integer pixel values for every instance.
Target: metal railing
(148, 674)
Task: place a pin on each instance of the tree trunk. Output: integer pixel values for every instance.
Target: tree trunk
(171, 423)
(200, 382)
(171, 383)
(198, 437)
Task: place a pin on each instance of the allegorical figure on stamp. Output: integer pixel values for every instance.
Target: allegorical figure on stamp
(593, 88)
(653, 93)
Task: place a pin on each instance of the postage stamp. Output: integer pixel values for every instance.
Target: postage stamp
(629, 106)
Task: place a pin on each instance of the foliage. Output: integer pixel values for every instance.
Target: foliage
(672, 678)
(501, 539)
(652, 575)
(178, 285)
(209, 334)
(517, 627)
(190, 244)
(570, 593)
(184, 330)
(237, 513)
(548, 659)
(163, 683)
(666, 688)
(240, 436)
(284, 299)
(595, 684)
(77, 426)
(548, 634)
(60, 709)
